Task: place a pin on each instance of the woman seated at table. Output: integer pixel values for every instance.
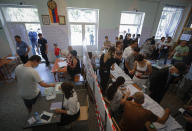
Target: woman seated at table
(117, 96)
(73, 67)
(106, 62)
(141, 71)
(71, 108)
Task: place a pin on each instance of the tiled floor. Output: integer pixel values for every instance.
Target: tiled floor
(13, 113)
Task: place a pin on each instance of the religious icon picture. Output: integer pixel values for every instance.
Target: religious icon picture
(62, 20)
(45, 20)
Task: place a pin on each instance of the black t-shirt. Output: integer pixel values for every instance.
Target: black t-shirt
(126, 43)
(42, 42)
(105, 67)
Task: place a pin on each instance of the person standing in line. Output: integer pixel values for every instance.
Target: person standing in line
(106, 63)
(129, 61)
(22, 49)
(42, 43)
(107, 43)
(129, 50)
(158, 45)
(141, 71)
(180, 52)
(27, 80)
(166, 48)
(127, 41)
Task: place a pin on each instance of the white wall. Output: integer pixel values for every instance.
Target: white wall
(54, 33)
(4, 45)
(109, 17)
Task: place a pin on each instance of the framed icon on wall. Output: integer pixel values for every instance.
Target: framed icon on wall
(62, 20)
(45, 19)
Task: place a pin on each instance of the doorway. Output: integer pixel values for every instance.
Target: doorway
(23, 21)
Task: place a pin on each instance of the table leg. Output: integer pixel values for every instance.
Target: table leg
(54, 73)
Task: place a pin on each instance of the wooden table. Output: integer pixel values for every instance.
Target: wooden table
(56, 70)
(5, 70)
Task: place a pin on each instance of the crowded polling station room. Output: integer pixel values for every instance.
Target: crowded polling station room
(95, 65)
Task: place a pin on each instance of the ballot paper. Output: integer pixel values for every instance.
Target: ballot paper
(46, 117)
(62, 64)
(119, 72)
(159, 126)
(58, 89)
(31, 120)
(50, 93)
(62, 58)
(56, 105)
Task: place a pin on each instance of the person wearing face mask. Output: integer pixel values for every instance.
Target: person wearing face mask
(161, 79)
(180, 52)
(106, 63)
(27, 80)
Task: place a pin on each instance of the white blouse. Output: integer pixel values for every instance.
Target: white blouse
(72, 104)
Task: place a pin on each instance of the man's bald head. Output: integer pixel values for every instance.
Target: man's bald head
(138, 97)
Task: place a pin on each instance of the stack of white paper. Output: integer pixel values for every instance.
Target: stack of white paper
(50, 93)
(56, 105)
(62, 64)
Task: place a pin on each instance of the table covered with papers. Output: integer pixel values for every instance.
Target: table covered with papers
(46, 107)
(170, 125)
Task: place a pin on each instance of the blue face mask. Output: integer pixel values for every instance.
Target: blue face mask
(175, 74)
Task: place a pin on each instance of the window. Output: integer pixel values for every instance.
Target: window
(169, 21)
(16, 14)
(83, 25)
(131, 22)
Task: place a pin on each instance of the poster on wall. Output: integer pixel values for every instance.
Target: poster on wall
(45, 19)
(62, 20)
(52, 7)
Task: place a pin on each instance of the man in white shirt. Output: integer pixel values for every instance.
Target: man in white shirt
(129, 49)
(28, 79)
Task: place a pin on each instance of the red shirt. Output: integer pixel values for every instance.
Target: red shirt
(57, 50)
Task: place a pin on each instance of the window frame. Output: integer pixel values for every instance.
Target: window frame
(139, 26)
(160, 20)
(83, 26)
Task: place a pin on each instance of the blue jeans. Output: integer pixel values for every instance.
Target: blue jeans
(33, 44)
(164, 53)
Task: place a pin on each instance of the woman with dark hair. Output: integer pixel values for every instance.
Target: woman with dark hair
(121, 38)
(74, 67)
(127, 41)
(71, 108)
(141, 71)
(117, 97)
(106, 62)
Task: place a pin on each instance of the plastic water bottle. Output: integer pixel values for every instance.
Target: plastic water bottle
(37, 117)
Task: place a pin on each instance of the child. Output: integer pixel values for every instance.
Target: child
(57, 50)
